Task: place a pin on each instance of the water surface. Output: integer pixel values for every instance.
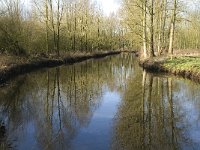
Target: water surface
(108, 103)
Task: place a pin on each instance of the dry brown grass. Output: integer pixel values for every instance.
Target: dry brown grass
(187, 52)
(10, 60)
(11, 66)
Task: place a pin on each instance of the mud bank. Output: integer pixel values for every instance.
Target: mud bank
(11, 71)
(187, 67)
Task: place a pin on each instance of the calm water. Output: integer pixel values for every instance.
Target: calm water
(110, 103)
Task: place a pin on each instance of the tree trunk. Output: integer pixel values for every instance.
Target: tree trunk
(52, 24)
(58, 29)
(74, 38)
(151, 54)
(172, 28)
(160, 27)
(98, 33)
(47, 26)
(144, 29)
(164, 24)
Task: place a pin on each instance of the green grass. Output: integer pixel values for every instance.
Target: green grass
(191, 64)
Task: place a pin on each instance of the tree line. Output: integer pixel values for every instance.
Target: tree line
(57, 26)
(54, 26)
(160, 26)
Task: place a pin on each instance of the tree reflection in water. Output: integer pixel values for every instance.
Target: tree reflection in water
(152, 115)
(50, 108)
(47, 108)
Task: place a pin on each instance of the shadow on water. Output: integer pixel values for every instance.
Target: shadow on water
(108, 103)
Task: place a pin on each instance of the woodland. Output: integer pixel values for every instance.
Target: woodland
(153, 27)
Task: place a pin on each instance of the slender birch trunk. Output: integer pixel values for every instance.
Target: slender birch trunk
(160, 28)
(172, 29)
(144, 29)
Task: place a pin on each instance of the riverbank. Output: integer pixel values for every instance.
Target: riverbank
(12, 66)
(187, 67)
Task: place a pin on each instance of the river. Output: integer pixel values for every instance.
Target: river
(108, 103)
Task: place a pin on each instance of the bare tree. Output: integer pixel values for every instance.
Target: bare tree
(172, 28)
(151, 51)
(144, 10)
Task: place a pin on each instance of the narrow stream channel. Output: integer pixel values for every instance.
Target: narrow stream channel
(108, 103)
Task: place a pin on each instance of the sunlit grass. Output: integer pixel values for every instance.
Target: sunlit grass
(189, 64)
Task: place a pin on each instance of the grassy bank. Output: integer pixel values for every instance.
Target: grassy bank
(11, 66)
(188, 67)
